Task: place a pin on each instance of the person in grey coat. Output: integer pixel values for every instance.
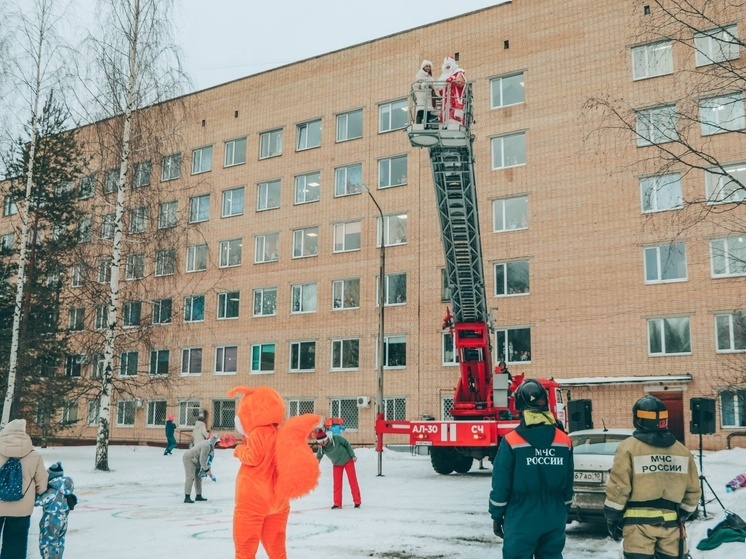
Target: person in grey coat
(200, 432)
(197, 460)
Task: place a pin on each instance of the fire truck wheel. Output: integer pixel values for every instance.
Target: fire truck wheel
(462, 463)
(442, 460)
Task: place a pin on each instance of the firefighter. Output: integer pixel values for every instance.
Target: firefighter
(532, 480)
(653, 487)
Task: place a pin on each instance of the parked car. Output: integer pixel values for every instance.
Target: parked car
(593, 451)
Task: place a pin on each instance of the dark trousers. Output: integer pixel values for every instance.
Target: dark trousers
(529, 542)
(15, 536)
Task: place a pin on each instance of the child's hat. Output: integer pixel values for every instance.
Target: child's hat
(55, 470)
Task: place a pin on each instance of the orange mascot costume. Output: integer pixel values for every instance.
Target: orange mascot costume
(276, 465)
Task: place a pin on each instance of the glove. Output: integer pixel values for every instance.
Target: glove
(685, 516)
(615, 529)
(497, 528)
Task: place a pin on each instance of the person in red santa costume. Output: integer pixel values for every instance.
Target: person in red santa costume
(452, 92)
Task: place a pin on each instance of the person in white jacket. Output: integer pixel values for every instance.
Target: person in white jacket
(423, 93)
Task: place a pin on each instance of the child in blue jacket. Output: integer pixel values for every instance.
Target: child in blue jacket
(55, 507)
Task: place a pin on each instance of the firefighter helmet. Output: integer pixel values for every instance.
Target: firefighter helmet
(650, 414)
(531, 395)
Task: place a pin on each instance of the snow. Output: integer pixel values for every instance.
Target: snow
(136, 510)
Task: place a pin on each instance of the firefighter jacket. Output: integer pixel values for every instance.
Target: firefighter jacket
(653, 478)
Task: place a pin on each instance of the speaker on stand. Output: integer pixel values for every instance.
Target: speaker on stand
(703, 423)
(580, 414)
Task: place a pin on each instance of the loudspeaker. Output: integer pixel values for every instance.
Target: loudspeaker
(580, 415)
(703, 416)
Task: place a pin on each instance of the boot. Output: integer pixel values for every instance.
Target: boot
(199, 497)
(187, 498)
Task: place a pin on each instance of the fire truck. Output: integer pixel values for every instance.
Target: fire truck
(483, 406)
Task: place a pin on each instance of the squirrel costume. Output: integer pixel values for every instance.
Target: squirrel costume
(276, 465)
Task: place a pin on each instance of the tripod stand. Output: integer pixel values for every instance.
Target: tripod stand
(702, 481)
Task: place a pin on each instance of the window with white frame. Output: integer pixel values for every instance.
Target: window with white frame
(716, 45)
(162, 311)
(226, 358)
(653, 59)
(53, 279)
(270, 144)
(394, 352)
(189, 410)
(235, 152)
(657, 125)
(128, 361)
(156, 413)
(262, 358)
(69, 412)
(126, 413)
(728, 256)
(7, 241)
(141, 174)
(392, 116)
(87, 187)
(266, 248)
(509, 151)
(93, 410)
(449, 355)
(265, 301)
(345, 354)
(230, 253)
(171, 167)
(98, 365)
(726, 184)
(223, 414)
(74, 365)
(233, 202)
(509, 214)
(300, 406)
(347, 236)
(511, 278)
(730, 332)
(395, 409)
(669, 336)
(303, 298)
(199, 208)
(202, 160)
(138, 220)
(135, 267)
(228, 304)
(76, 318)
(392, 171)
(513, 344)
(307, 188)
(507, 90)
(733, 408)
(194, 308)
(665, 263)
(350, 125)
(165, 262)
(305, 242)
(347, 409)
(394, 230)
(395, 289)
(111, 181)
(107, 225)
(346, 294)
(167, 214)
(661, 192)
(103, 274)
(191, 361)
(309, 135)
(78, 275)
(10, 206)
(302, 356)
(348, 180)
(196, 258)
(722, 114)
(101, 317)
(131, 311)
(159, 360)
(445, 288)
(85, 228)
(268, 195)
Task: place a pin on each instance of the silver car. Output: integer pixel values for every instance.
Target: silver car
(593, 451)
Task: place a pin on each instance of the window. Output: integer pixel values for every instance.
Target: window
(104, 270)
(728, 256)
(135, 267)
(65, 187)
(87, 187)
(233, 202)
(268, 196)
(265, 301)
(235, 152)
(726, 185)
(101, 317)
(77, 275)
(131, 313)
(156, 413)
(507, 90)
(392, 171)
(305, 242)
(111, 181)
(347, 236)
(346, 294)
(7, 241)
(196, 260)
(652, 60)
(85, 226)
(730, 332)
(141, 174)
(511, 278)
(509, 151)
(162, 311)
(513, 344)
(107, 226)
(661, 192)
(348, 180)
(191, 361)
(159, 362)
(347, 409)
(716, 45)
(445, 288)
(299, 407)
(307, 188)
(345, 354)
(223, 414)
(657, 125)
(669, 336)
(733, 408)
(188, 412)
(128, 363)
(509, 214)
(69, 412)
(270, 144)
(303, 297)
(394, 230)
(302, 356)
(167, 216)
(165, 262)
(98, 365)
(263, 358)
(74, 365)
(194, 308)
(228, 304)
(665, 263)
(93, 408)
(350, 125)
(225, 359)
(202, 160)
(394, 351)
(171, 167)
(392, 116)
(266, 248)
(199, 208)
(395, 408)
(76, 318)
(395, 292)
(10, 207)
(230, 253)
(125, 413)
(449, 356)
(138, 220)
(309, 135)
(722, 114)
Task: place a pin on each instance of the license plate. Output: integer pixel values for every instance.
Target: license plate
(423, 443)
(589, 477)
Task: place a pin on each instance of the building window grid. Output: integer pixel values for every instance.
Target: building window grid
(657, 125)
(508, 151)
(395, 409)
(300, 406)
(513, 345)
(350, 125)
(395, 289)
(730, 332)
(171, 167)
(302, 356)
(392, 116)
(394, 352)
(165, 262)
(347, 409)
(346, 294)
(268, 196)
(135, 267)
(507, 90)
(141, 174)
(263, 358)
(669, 336)
(305, 242)
(162, 311)
(202, 160)
(167, 214)
(226, 359)
(230, 253)
(76, 319)
(665, 263)
(126, 413)
(510, 214)
(191, 361)
(128, 363)
(724, 113)
(199, 208)
(661, 193)
(270, 144)
(304, 298)
(348, 180)
(727, 184)
(156, 413)
(266, 248)
(392, 171)
(307, 188)
(194, 308)
(728, 256)
(196, 260)
(111, 181)
(235, 152)
(716, 45)
(394, 230)
(223, 414)
(345, 354)
(228, 304)
(512, 278)
(131, 311)
(189, 410)
(233, 201)
(651, 60)
(309, 135)
(733, 408)
(347, 236)
(159, 362)
(265, 301)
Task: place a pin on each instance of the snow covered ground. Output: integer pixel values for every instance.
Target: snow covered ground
(136, 510)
